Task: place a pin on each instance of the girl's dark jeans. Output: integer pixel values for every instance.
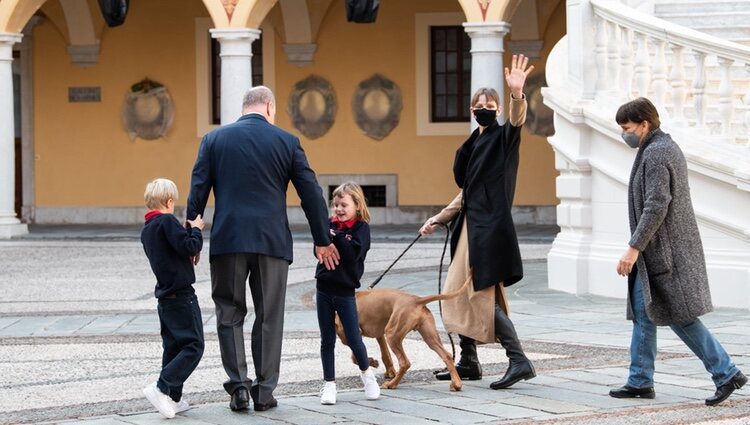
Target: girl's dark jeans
(346, 307)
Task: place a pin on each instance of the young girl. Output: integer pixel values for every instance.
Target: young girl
(335, 288)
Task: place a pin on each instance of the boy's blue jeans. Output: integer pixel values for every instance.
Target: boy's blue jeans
(694, 334)
(346, 306)
(182, 339)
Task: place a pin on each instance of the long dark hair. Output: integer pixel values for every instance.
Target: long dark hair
(637, 111)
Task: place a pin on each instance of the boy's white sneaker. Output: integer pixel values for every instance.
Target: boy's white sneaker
(162, 402)
(372, 389)
(181, 406)
(328, 393)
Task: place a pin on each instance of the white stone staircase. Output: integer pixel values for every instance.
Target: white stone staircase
(594, 69)
(727, 19)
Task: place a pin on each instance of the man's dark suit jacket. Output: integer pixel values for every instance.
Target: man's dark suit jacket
(249, 165)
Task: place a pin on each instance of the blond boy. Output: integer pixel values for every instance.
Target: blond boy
(170, 247)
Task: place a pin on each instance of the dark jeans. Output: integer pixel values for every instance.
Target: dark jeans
(182, 339)
(346, 307)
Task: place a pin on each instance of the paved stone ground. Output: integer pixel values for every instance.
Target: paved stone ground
(79, 339)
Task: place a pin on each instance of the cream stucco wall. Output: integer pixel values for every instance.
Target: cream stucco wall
(84, 158)
(349, 53)
(423, 163)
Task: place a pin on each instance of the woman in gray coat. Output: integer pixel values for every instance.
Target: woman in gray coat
(664, 263)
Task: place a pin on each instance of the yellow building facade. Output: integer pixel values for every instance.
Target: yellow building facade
(75, 161)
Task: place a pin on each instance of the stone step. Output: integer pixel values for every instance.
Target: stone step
(695, 20)
(726, 32)
(690, 6)
(728, 20)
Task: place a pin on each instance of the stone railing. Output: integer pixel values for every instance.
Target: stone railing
(636, 54)
(612, 53)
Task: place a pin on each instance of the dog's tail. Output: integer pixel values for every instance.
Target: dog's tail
(430, 298)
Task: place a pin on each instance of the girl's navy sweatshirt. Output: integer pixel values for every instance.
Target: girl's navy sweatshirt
(169, 246)
(353, 244)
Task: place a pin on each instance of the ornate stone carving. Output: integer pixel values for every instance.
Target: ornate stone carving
(377, 106)
(539, 117)
(484, 5)
(229, 6)
(148, 111)
(312, 106)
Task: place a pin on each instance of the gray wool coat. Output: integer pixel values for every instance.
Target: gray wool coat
(663, 228)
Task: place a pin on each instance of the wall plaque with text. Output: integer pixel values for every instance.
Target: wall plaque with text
(84, 94)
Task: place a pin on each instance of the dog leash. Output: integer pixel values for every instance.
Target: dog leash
(440, 273)
(372, 285)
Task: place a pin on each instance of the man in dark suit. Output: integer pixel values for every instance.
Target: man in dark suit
(249, 165)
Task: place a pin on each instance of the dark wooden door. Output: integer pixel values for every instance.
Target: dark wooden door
(19, 186)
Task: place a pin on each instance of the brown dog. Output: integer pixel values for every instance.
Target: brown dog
(388, 315)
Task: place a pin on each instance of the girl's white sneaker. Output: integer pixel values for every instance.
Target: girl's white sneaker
(181, 406)
(328, 393)
(372, 389)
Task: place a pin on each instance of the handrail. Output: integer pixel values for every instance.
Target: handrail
(669, 32)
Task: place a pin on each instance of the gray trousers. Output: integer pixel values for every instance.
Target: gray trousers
(267, 281)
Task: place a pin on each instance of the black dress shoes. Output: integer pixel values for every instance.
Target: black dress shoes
(517, 371)
(626, 391)
(724, 391)
(262, 407)
(240, 399)
(469, 371)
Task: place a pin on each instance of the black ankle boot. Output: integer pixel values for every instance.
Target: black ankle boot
(520, 367)
(468, 366)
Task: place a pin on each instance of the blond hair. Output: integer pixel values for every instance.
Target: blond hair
(158, 192)
(358, 196)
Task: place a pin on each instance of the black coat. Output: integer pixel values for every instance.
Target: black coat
(353, 244)
(249, 165)
(485, 168)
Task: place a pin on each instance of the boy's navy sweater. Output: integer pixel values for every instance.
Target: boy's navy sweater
(169, 246)
(353, 244)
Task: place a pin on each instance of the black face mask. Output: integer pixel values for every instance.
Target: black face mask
(484, 116)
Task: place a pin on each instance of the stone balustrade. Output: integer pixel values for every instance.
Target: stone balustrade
(613, 53)
(640, 55)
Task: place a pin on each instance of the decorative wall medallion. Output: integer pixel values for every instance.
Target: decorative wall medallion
(312, 106)
(148, 111)
(377, 106)
(229, 6)
(539, 117)
(484, 5)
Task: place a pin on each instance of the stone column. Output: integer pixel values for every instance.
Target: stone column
(28, 157)
(236, 68)
(10, 225)
(487, 57)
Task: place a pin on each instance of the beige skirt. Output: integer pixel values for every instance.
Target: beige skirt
(472, 313)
